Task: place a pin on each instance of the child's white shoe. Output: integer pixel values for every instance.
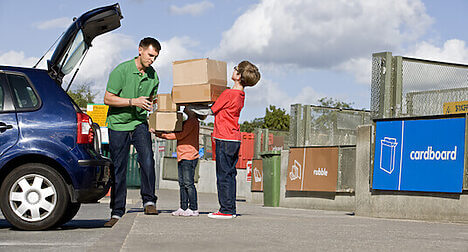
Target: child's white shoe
(179, 212)
(189, 213)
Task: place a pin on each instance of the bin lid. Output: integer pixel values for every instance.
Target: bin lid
(270, 153)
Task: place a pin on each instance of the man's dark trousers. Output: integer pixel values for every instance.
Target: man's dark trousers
(119, 146)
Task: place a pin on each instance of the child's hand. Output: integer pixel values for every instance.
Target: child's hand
(153, 131)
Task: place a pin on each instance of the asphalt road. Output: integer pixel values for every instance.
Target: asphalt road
(257, 228)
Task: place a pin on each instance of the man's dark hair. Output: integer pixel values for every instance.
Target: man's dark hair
(150, 41)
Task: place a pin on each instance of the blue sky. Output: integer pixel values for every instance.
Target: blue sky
(305, 49)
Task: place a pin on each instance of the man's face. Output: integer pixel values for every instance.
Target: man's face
(147, 55)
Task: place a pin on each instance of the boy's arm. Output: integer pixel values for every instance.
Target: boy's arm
(220, 102)
(187, 128)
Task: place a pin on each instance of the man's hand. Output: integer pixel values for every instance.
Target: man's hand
(142, 102)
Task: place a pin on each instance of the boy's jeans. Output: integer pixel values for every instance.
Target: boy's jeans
(119, 146)
(227, 154)
(188, 192)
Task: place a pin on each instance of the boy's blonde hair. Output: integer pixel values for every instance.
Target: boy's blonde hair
(249, 74)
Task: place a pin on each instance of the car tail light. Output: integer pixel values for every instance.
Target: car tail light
(85, 129)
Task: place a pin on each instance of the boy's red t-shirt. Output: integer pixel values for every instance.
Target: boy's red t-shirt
(227, 110)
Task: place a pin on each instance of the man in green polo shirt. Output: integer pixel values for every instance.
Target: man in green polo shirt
(128, 90)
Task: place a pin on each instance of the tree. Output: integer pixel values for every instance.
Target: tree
(82, 95)
(247, 126)
(334, 103)
(276, 119)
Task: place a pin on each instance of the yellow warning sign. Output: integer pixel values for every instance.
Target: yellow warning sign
(456, 107)
(98, 113)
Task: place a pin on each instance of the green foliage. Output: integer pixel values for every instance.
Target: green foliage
(82, 95)
(276, 119)
(252, 125)
(325, 119)
(334, 103)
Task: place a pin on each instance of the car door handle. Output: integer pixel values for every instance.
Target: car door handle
(4, 127)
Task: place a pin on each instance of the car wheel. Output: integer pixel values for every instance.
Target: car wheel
(33, 197)
(71, 211)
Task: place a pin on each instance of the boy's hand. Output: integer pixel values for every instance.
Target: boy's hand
(142, 102)
(152, 131)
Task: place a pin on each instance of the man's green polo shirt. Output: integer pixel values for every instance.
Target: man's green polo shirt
(127, 82)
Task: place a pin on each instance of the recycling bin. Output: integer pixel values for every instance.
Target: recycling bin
(271, 177)
(387, 154)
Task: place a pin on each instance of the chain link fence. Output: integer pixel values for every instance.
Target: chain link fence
(325, 126)
(406, 87)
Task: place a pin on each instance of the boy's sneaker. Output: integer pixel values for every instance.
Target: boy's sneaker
(219, 215)
(189, 212)
(179, 212)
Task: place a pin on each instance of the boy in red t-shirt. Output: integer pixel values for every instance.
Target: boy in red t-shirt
(187, 159)
(227, 135)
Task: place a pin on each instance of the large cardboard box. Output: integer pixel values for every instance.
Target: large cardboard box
(165, 103)
(199, 71)
(166, 121)
(204, 93)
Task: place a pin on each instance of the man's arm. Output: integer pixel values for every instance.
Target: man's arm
(116, 101)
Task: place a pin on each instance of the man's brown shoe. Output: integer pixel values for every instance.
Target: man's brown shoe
(151, 210)
(111, 222)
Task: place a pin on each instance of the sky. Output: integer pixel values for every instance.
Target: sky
(305, 49)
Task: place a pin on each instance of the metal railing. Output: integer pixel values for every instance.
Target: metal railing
(406, 87)
(324, 126)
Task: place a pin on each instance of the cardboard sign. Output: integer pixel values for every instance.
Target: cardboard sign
(425, 155)
(257, 175)
(312, 169)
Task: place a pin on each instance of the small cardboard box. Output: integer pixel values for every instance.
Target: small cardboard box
(165, 103)
(199, 71)
(204, 93)
(166, 121)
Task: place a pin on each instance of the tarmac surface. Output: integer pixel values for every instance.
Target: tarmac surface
(257, 228)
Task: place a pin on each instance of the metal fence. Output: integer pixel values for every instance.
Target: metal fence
(324, 126)
(404, 87)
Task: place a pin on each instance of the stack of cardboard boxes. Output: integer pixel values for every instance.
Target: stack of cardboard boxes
(197, 81)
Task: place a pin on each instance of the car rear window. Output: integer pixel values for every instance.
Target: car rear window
(24, 94)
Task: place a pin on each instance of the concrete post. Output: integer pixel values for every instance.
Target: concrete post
(363, 150)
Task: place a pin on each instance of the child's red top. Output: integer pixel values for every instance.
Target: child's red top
(227, 110)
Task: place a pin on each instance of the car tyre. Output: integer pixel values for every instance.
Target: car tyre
(34, 196)
(72, 210)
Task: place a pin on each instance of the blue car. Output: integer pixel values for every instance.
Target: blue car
(50, 159)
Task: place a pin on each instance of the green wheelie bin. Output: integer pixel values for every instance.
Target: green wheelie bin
(271, 177)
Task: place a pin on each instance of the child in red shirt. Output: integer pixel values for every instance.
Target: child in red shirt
(187, 159)
(227, 136)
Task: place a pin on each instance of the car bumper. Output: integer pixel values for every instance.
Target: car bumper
(101, 169)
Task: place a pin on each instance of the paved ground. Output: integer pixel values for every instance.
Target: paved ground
(256, 229)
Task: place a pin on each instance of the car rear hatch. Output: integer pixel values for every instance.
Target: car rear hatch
(78, 37)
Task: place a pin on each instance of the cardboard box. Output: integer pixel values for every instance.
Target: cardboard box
(204, 93)
(165, 103)
(166, 121)
(199, 71)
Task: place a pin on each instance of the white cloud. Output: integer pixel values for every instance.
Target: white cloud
(360, 68)
(194, 9)
(62, 22)
(268, 92)
(177, 48)
(453, 50)
(14, 58)
(322, 34)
